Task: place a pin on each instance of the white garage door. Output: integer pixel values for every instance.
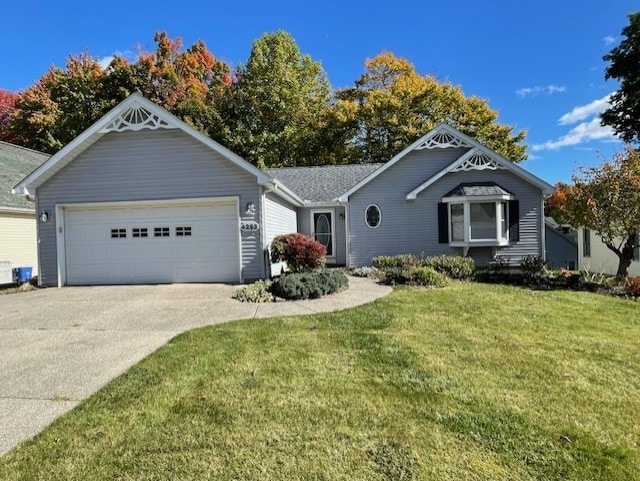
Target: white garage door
(152, 243)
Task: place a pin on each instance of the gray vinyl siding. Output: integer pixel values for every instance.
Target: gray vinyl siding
(561, 251)
(280, 217)
(147, 165)
(304, 227)
(412, 226)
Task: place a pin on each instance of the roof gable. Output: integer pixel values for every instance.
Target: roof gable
(481, 158)
(442, 137)
(134, 113)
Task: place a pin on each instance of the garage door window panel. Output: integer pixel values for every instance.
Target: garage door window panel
(139, 232)
(183, 231)
(161, 232)
(118, 233)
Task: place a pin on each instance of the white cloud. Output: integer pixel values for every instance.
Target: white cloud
(105, 61)
(608, 40)
(583, 132)
(540, 90)
(588, 129)
(127, 54)
(582, 112)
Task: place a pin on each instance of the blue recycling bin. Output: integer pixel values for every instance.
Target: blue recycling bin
(22, 274)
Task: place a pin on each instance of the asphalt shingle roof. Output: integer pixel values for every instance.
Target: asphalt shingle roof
(322, 183)
(478, 188)
(15, 163)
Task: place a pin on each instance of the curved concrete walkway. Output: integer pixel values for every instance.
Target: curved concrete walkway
(59, 346)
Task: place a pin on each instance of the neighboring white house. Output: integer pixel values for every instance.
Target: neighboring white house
(594, 256)
(18, 244)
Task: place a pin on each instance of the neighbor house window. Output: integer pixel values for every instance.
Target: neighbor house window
(586, 238)
(372, 216)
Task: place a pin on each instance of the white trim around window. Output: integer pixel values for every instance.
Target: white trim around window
(332, 216)
(366, 221)
(462, 225)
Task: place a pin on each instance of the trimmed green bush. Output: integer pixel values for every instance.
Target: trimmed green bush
(404, 261)
(309, 285)
(259, 291)
(428, 276)
(454, 267)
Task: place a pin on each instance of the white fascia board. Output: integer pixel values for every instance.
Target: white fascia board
(38, 176)
(281, 190)
(17, 210)
(477, 198)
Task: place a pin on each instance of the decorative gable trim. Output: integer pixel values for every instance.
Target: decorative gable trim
(443, 136)
(137, 118)
(481, 158)
(133, 113)
(443, 139)
(478, 160)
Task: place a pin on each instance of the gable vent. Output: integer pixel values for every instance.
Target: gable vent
(443, 140)
(136, 118)
(479, 161)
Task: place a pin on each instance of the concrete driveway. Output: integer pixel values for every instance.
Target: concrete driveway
(59, 346)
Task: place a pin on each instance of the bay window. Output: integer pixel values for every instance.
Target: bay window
(479, 214)
(479, 223)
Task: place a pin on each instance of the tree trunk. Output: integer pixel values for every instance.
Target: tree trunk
(625, 256)
(623, 267)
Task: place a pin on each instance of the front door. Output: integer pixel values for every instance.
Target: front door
(323, 229)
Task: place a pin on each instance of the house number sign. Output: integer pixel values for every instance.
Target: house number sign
(249, 226)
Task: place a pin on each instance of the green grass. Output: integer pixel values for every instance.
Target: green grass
(470, 382)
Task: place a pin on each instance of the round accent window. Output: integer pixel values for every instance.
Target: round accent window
(372, 216)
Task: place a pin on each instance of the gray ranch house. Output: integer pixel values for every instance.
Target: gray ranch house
(142, 197)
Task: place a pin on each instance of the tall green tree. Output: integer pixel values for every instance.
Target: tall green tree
(624, 65)
(606, 200)
(392, 105)
(279, 104)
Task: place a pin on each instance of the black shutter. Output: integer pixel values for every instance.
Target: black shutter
(443, 223)
(514, 220)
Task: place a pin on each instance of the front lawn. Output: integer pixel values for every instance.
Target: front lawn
(470, 382)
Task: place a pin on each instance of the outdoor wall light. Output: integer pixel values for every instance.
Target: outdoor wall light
(44, 216)
(251, 208)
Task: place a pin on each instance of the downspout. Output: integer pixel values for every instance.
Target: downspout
(543, 229)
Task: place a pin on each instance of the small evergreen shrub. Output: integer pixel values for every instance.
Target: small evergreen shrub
(404, 261)
(309, 285)
(301, 252)
(454, 267)
(259, 291)
(533, 266)
(397, 275)
(428, 276)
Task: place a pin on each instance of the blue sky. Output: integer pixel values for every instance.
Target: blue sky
(539, 63)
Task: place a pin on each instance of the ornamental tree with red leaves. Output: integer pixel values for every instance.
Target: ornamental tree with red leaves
(7, 106)
(300, 252)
